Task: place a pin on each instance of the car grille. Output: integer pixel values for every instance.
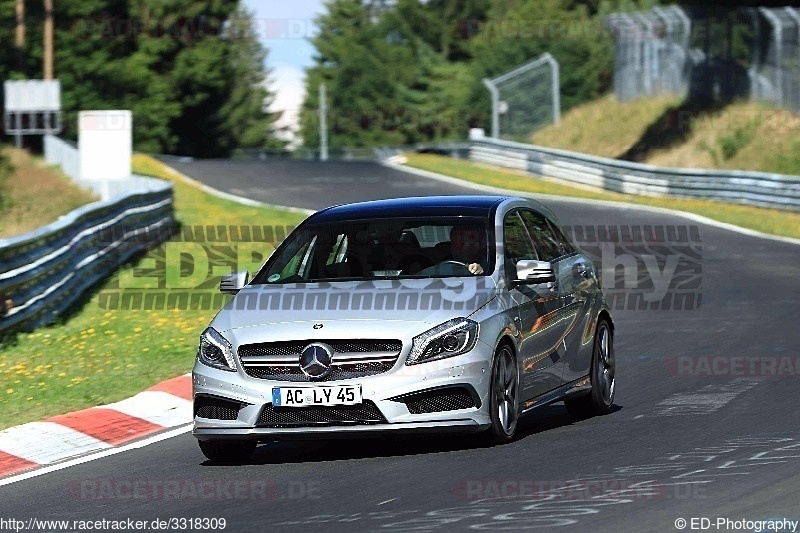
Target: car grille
(216, 408)
(352, 359)
(437, 400)
(345, 415)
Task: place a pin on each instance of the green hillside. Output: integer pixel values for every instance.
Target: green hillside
(660, 131)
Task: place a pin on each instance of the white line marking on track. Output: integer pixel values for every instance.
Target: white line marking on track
(706, 400)
(157, 407)
(99, 455)
(25, 441)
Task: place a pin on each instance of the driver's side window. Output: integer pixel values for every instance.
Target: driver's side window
(518, 244)
(298, 264)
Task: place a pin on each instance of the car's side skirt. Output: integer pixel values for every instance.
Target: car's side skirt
(574, 388)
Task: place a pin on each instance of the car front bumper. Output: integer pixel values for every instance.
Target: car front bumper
(470, 372)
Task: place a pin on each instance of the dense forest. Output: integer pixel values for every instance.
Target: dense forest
(397, 72)
(192, 72)
(409, 70)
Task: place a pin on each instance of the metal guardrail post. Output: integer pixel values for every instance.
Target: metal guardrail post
(495, 107)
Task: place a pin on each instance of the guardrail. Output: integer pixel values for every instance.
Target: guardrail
(45, 271)
(734, 186)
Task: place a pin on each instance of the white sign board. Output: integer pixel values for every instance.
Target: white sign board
(476, 134)
(32, 95)
(105, 143)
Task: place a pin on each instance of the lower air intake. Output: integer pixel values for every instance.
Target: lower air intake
(216, 408)
(345, 415)
(438, 400)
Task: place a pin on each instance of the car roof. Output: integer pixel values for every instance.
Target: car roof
(421, 206)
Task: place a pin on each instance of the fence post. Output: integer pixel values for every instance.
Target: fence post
(556, 81)
(524, 97)
(495, 107)
(777, 28)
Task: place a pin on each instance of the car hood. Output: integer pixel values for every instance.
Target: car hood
(292, 310)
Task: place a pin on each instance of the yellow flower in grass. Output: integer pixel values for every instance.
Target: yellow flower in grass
(9, 391)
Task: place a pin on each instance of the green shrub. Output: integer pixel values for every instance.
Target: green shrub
(5, 172)
(787, 162)
(731, 144)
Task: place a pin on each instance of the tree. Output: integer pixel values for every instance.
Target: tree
(394, 75)
(247, 114)
(192, 89)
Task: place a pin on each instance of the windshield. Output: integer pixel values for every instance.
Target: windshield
(385, 248)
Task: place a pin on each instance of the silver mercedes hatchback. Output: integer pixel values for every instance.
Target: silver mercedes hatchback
(405, 315)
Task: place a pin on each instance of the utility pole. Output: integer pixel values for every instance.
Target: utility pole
(48, 39)
(20, 36)
(323, 123)
(19, 40)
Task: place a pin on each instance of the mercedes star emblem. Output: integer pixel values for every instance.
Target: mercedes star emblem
(315, 360)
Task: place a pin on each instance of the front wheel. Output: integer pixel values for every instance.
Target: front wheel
(503, 396)
(227, 451)
(602, 377)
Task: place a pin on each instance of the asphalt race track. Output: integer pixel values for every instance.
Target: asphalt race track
(721, 444)
(311, 184)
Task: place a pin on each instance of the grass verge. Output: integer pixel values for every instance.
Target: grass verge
(100, 355)
(736, 136)
(605, 127)
(773, 221)
(29, 187)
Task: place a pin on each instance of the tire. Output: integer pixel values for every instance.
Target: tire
(227, 451)
(602, 376)
(503, 397)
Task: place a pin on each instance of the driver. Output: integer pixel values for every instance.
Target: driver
(468, 246)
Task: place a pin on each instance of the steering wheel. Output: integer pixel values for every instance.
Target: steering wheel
(453, 262)
(449, 267)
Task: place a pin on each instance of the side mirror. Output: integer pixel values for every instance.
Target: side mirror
(530, 272)
(233, 283)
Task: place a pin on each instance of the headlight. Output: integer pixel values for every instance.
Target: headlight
(454, 337)
(215, 351)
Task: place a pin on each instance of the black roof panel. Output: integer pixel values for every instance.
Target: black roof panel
(480, 206)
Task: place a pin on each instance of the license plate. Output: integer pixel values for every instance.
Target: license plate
(308, 396)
